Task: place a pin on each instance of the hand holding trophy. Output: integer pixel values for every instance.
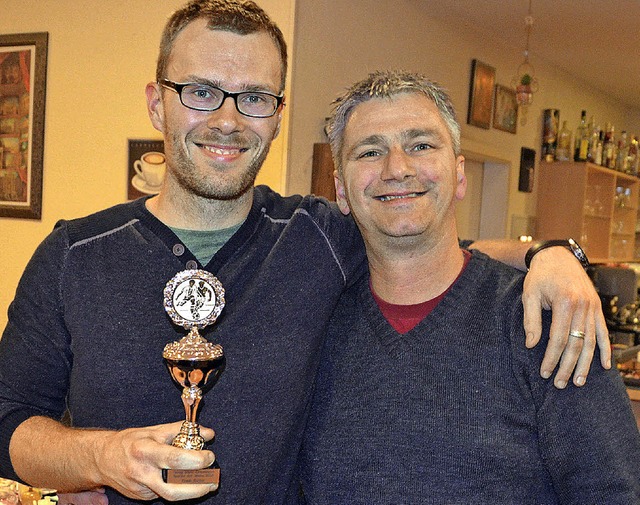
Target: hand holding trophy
(193, 299)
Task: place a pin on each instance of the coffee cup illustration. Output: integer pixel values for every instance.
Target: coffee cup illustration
(151, 168)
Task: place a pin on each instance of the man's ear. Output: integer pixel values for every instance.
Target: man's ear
(341, 197)
(155, 106)
(461, 187)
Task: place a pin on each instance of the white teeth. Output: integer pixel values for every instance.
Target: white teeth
(224, 152)
(396, 197)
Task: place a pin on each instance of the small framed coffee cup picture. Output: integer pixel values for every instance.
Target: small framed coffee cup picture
(146, 167)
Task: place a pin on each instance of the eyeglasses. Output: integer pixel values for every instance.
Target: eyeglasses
(208, 98)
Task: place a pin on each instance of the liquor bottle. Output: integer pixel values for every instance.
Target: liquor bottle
(608, 147)
(550, 124)
(594, 139)
(563, 149)
(598, 156)
(621, 154)
(582, 139)
(633, 156)
(590, 127)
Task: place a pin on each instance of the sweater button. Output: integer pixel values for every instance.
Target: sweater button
(178, 249)
(192, 265)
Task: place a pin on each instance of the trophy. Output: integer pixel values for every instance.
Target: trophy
(193, 299)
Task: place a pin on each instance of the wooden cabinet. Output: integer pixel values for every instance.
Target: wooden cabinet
(596, 206)
(322, 172)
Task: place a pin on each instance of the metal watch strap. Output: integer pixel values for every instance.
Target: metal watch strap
(570, 244)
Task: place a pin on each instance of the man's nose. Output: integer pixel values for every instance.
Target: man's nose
(226, 119)
(398, 166)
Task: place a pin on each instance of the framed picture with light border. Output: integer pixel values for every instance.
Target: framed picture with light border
(483, 79)
(23, 74)
(505, 109)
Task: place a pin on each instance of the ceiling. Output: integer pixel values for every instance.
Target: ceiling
(595, 40)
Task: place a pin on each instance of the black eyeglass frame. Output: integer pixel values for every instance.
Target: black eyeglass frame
(178, 87)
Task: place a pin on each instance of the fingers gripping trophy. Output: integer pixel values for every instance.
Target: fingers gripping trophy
(193, 299)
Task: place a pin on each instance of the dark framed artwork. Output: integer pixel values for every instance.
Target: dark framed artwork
(146, 167)
(483, 78)
(505, 109)
(23, 83)
(527, 166)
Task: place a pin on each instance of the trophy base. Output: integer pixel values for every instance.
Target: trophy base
(203, 476)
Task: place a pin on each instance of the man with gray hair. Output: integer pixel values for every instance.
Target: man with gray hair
(426, 394)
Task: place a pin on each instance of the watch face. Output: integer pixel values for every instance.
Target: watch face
(579, 253)
(194, 298)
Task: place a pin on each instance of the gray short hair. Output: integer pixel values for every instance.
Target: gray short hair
(385, 84)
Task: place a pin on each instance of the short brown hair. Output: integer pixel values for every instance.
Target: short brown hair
(238, 16)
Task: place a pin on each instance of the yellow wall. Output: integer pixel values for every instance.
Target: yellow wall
(101, 56)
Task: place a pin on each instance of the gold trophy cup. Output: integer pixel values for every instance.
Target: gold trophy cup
(193, 299)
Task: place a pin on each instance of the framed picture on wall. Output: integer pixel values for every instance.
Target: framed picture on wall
(483, 79)
(505, 109)
(23, 74)
(146, 167)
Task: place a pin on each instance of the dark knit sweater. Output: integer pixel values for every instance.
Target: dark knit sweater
(87, 329)
(455, 410)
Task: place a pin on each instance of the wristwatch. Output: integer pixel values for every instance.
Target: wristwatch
(570, 244)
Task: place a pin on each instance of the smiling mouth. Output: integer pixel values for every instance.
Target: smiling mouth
(387, 198)
(224, 151)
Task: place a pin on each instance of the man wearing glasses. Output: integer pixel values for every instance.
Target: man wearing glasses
(283, 262)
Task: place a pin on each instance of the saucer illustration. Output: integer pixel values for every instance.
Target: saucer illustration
(141, 185)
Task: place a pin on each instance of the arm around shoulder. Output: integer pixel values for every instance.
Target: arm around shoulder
(557, 281)
(508, 251)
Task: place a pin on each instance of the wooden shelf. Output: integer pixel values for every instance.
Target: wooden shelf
(582, 201)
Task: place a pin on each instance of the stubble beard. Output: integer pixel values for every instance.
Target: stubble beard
(212, 182)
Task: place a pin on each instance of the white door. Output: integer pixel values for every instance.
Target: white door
(482, 214)
(468, 209)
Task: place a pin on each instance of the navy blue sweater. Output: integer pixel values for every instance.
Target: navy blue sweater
(455, 411)
(87, 329)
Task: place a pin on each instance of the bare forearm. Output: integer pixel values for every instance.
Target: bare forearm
(511, 252)
(46, 453)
